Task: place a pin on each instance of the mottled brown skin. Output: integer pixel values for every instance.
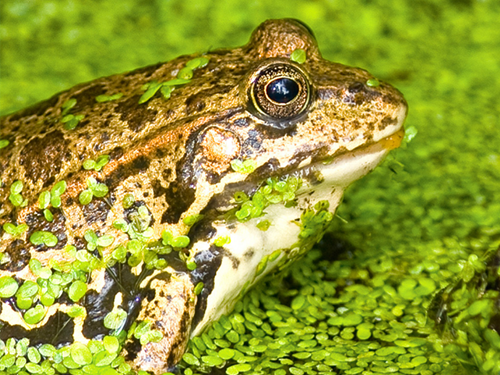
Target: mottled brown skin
(174, 155)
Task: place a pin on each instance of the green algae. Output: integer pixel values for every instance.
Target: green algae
(411, 226)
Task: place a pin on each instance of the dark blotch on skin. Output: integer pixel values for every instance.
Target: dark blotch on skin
(96, 211)
(271, 132)
(386, 122)
(49, 182)
(194, 104)
(86, 98)
(358, 93)
(266, 170)
(242, 122)
(136, 115)
(42, 157)
(356, 87)
(116, 153)
(58, 331)
(179, 197)
(133, 347)
(158, 189)
(123, 171)
(98, 305)
(37, 222)
(19, 256)
(140, 164)
(118, 278)
(252, 143)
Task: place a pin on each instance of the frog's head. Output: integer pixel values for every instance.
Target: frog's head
(311, 126)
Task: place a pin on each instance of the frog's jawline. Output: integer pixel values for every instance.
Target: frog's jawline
(232, 266)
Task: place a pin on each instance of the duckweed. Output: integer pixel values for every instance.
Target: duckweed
(95, 188)
(70, 122)
(15, 230)
(192, 219)
(97, 164)
(115, 319)
(222, 240)
(321, 331)
(299, 56)
(8, 286)
(272, 192)
(243, 166)
(4, 143)
(43, 238)
(15, 196)
(108, 98)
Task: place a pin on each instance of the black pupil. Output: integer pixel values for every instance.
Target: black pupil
(282, 90)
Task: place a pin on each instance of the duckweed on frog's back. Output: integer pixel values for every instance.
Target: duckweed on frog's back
(137, 208)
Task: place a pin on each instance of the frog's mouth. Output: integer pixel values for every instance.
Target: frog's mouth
(344, 166)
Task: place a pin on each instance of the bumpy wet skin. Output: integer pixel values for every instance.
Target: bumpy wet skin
(136, 208)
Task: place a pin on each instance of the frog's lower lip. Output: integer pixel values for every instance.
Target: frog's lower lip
(346, 166)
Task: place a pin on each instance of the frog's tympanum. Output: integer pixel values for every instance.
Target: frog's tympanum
(138, 208)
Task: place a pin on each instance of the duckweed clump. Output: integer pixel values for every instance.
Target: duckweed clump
(69, 120)
(273, 191)
(466, 313)
(324, 317)
(95, 357)
(184, 76)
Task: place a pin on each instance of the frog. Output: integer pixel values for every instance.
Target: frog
(137, 209)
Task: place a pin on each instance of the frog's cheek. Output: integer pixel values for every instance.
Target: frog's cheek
(217, 148)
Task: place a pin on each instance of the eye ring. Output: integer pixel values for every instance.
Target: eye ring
(280, 91)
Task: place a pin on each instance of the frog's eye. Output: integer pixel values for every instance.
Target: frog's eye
(280, 91)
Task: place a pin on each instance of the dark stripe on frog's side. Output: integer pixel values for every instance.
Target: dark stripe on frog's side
(123, 171)
(58, 331)
(180, 193)
(120, 279)
(134, 114)
(207, 265)
(99, 304)
(42, 157)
